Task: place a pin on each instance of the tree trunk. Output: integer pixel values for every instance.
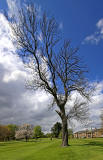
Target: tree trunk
(64, 131)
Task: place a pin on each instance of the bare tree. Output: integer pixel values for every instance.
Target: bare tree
(56, 66)
(79, 110)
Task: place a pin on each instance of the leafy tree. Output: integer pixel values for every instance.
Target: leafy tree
(49, 135)
(38, 132)
(55, 65)
(56, 129)
(70, 133)
(60, 134)
(4, 133)
(12, 128)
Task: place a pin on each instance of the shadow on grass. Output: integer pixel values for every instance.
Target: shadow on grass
(94, 144)
(7, 143)
(22, 141)
(32, 141)
(2, 144)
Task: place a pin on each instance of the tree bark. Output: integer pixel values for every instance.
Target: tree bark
(64, 131)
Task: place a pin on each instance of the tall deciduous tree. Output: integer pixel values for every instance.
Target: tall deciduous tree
(4, 133)
(38, 132)
(56, 66)
(12, 128)
(56, 129)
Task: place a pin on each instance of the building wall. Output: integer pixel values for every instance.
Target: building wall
(89, 134)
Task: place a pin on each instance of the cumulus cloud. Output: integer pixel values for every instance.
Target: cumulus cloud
(17, 105)
(97, 36)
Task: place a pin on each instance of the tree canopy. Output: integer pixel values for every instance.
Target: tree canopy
(38, 132)
(56, 129)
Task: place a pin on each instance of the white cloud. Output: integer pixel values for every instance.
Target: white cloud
(13, 76)
(17, 105)
(100, 25)
(97, 36)
(13, 6)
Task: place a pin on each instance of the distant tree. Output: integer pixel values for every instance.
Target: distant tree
(56, 129)
(60, 134)
(49, 135)
(4, 133)
(24, 132)
(12, 128)
(38, 132)
(55, 65)
(70, 133)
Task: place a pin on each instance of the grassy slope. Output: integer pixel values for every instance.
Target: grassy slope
(84, 149)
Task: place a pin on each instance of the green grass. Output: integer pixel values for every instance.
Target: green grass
(79, 149)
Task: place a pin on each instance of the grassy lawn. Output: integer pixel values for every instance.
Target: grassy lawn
(84, 149)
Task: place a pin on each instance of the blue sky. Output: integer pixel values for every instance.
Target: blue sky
(81, 22)
(78, 20)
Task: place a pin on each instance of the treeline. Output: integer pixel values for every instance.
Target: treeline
(15, 132)
(56, 131)
(27, 131)
(7, 132)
